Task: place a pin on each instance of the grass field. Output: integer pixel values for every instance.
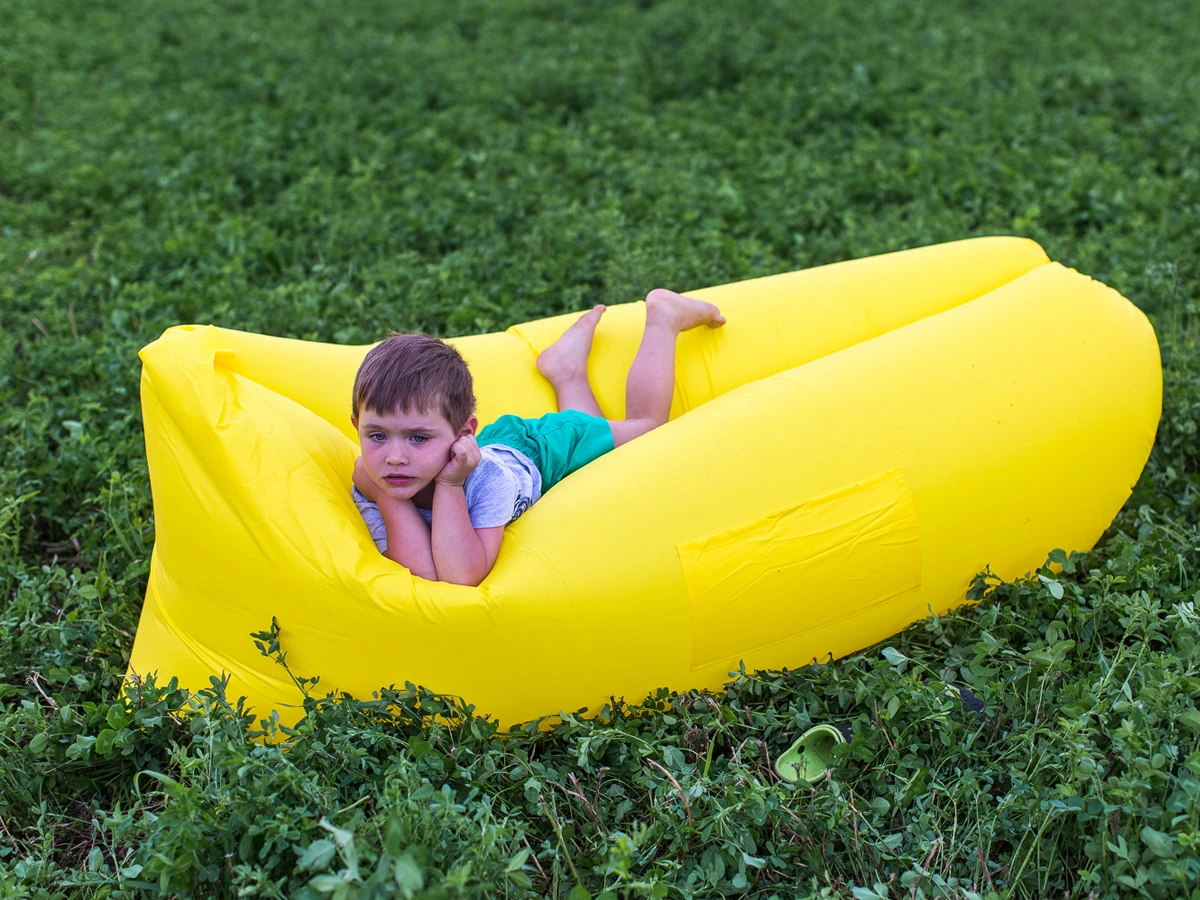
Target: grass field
(329, 171)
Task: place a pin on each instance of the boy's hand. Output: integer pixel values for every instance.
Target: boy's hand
(363, 481)
(464, 457)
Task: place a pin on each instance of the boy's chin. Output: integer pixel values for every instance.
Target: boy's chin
(405, 492)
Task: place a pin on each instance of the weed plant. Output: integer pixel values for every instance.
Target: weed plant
(329, 171)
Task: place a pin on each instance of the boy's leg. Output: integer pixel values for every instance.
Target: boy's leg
(564, 364)
(651, 382)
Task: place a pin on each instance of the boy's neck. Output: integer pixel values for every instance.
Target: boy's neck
(423, 499)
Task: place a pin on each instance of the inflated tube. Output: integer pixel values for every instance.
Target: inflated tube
(843, 457)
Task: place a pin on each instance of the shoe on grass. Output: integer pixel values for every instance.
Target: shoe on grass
(810, 757)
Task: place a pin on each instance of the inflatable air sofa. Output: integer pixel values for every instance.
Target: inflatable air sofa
(843, 457)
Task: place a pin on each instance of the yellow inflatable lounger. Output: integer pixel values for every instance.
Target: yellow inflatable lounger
(843, 457)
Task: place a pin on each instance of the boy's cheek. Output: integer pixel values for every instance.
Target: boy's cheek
(372, 471)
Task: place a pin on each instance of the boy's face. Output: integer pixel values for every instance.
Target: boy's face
(403, 452)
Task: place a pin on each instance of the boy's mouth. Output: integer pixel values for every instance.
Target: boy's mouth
(399, 480)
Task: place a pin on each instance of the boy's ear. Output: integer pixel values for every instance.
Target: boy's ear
(354, 421)
(471, 426)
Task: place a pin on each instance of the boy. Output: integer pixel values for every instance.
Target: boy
(435, 495)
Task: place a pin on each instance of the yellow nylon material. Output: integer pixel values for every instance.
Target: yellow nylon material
(858, 547)
(843, 456)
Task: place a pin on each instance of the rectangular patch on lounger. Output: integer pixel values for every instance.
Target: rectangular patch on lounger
(800, 568)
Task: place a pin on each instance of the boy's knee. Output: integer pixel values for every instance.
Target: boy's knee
(625, 430)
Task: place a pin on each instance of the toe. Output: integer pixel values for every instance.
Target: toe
(592, 314)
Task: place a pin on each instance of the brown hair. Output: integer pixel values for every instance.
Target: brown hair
(415, 373)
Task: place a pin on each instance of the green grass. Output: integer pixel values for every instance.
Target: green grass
(329, 171)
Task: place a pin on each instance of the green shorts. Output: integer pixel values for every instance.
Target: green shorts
(558, 442)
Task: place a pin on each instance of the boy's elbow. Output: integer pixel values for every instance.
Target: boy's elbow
(470, 578)
(467, 580)
(429, 573)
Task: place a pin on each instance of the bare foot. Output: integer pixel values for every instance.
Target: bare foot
(681, 312)
(567, 357)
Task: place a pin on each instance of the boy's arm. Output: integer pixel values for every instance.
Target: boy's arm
(407, 533)
(462, 553)
(408, 537)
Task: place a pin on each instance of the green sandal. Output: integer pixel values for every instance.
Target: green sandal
(809, 758)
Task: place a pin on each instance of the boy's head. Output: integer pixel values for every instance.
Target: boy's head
(414, 373)
(413, 398)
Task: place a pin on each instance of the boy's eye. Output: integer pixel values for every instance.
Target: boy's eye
(378, 437)
(419, 438)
